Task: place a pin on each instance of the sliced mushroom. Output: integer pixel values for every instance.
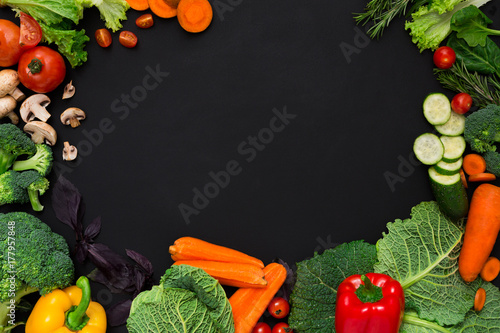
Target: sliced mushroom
(9, 80)
(69, 90)
(34, 107)
(72, 116)
(7, 106)
(41, 132)
(69, 152)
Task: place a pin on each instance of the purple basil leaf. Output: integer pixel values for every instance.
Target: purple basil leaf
(287, 287)
(67, 204)
(81, 251)
(118, 314)
(97, 276)
(93, 229)
(141, 260)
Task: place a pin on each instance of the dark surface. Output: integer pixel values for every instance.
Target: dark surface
(320, 180)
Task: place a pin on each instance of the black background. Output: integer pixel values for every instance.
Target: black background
(321, 181)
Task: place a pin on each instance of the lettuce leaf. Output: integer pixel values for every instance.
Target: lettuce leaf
(112, 11)
(46, 11)
(70, 43)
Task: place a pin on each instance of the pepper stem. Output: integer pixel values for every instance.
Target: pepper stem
(368, 292)
(76, 319)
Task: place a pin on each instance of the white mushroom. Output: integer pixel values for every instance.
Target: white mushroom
(7, 106)
(72, 116)
(34, 107)
(9, 80)
(69, 152)
(69, 90)
(41, 132)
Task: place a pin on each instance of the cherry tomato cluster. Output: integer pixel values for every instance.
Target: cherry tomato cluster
(126, 38)
(279, 308)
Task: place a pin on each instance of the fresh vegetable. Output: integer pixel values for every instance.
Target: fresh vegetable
(481, 231)
(41, 69)
(10, 50)
(480, 299)
(128, 39)
(112, 12)
(492, 159)
(450, 193)
(491, 269)
(144, 21)
(190, 248)
(13, 144)
(42, 161)
(474, 163)
(230, 273)
(464, 178)
(461, 103)
(249, 304)
(368, 301)
(30, 33)
(261, 328)
(103, 37)
(23, 187)
(279, 307)
(194, 15)
(448, 169)
(186, 300)
(161, 9)
(444, 57)
(68, 310)
(454, 126)
(428, 148)
(454, 147)
(281, 328)
(42, 260)
(173, 3)
(482, 177)
(482, 129)
(437, 108)
(471, 23)
(70, 42)
(138, 5)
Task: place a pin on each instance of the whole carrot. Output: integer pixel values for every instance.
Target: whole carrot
(481, 231)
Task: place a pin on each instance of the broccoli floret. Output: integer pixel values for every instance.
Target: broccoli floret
(42, 161)
(34, 259)
(13, 143)
(492, 159)
(482, 129)
(23, 187)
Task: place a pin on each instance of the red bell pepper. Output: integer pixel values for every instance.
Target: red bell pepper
(371, 303)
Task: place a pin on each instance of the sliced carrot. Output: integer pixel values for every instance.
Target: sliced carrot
(482, 177)
(173, 3)
(138, 5)
(161, 9)
(249, 304)
(491, 269)
(230, 274)
(194, 15)
(479, 299)
(474, 164)
(191, 248)
(464, 178)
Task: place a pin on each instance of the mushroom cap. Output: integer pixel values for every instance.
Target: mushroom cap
(7, 106)
(41, 132)
(72, 116)
(34, 107)
(9, 79)
(69, 152)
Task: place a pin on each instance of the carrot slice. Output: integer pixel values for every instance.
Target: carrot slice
(138, 5)
(464, 179)
(161, 9)
(194, 15)
(491, 269)
(482, 177)
(479, 299)
(249, 304)
(474, 164)
(173, 3)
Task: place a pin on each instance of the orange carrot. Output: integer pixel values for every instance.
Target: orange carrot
(481, 231)
(173, 3)
(464, 179)
(230, 274)
(138, 5)
(248, 304)
(474, 163)
(194, 15)
(491, 269)
(190, 248)
(161, 9)
(479, 299)
(482, 177)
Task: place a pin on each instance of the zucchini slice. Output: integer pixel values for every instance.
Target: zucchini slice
(454, 147)
(449, 169)
(428, 148)
(437, 108)
(450, 194)
(454, 126)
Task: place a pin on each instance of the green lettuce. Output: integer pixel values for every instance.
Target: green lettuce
(186, 300)
(112, 11)
(70, 42)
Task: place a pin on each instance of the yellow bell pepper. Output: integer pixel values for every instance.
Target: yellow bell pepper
(69, 310)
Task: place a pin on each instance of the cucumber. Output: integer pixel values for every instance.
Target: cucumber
(446, 168)
(428, 148)
(437, 108)
(450, 194)
(454, 147)
(454, 126)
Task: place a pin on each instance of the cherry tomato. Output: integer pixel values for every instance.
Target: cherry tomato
(262, 328)
(444, 57)
(281, 328)
(31, 32)
(461, 103)
(278, 307)
(41, 69)
(103, 37)
(10, 50)
(145, 21)
(128, 39)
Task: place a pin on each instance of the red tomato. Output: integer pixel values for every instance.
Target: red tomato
(278, 307)
(281, 328)
(461, 103)
(128, 39)
(10, 50)
(261, 328)
(103, 37)
(41, 69)
(31, 32)
(145, 21)
(444, 57)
